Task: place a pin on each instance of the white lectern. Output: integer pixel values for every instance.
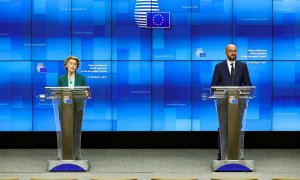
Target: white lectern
(231, 104)
(68, 105)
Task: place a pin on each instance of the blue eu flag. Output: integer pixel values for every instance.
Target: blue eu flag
(158, 19)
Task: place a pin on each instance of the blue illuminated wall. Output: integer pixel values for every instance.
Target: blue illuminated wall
(91, 29)
(171, 96)
(286, 96)
(131, 84)
(51, 29)
(16, 96)
(15, 31)
(148, 78)
(211, 28)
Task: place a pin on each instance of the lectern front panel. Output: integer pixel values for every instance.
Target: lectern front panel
(233, 125)
(67, 124)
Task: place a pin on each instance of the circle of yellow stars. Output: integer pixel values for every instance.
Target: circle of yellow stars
(158, 16)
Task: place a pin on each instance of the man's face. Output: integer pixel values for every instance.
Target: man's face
(231, 52)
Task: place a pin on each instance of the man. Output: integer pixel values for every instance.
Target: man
(230, 72)
(222, 74)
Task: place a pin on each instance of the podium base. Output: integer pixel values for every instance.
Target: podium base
(68, 165)
(233, 165)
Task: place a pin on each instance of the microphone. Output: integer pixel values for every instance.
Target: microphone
(42, 97)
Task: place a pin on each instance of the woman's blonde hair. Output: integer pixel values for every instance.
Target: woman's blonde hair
(69, 58)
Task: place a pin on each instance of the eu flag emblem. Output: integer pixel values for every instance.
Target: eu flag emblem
(158, 19)
(43, 70)
(200, 53)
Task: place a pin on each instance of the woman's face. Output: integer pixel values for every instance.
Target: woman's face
(72, 65)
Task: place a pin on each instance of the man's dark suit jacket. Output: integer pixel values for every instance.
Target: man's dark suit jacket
(222, 77)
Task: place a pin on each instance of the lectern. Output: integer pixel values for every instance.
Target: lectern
(231, 104)
(68, 105)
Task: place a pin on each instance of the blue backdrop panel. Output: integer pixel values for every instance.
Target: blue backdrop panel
(286, 99)
(252, 32)
(129, 41)
(286, 32)
(51, 29)
(97, 116)
(15, 37)
(173, 43)
(91, 29)
(131, 84)
(15, 96)
(204, 116)
(171, 96)
(259, 115)
(211, 28)
(45, 74)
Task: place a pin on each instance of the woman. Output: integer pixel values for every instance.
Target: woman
(73, 79)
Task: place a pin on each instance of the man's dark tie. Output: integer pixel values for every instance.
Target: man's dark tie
(232, 71)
